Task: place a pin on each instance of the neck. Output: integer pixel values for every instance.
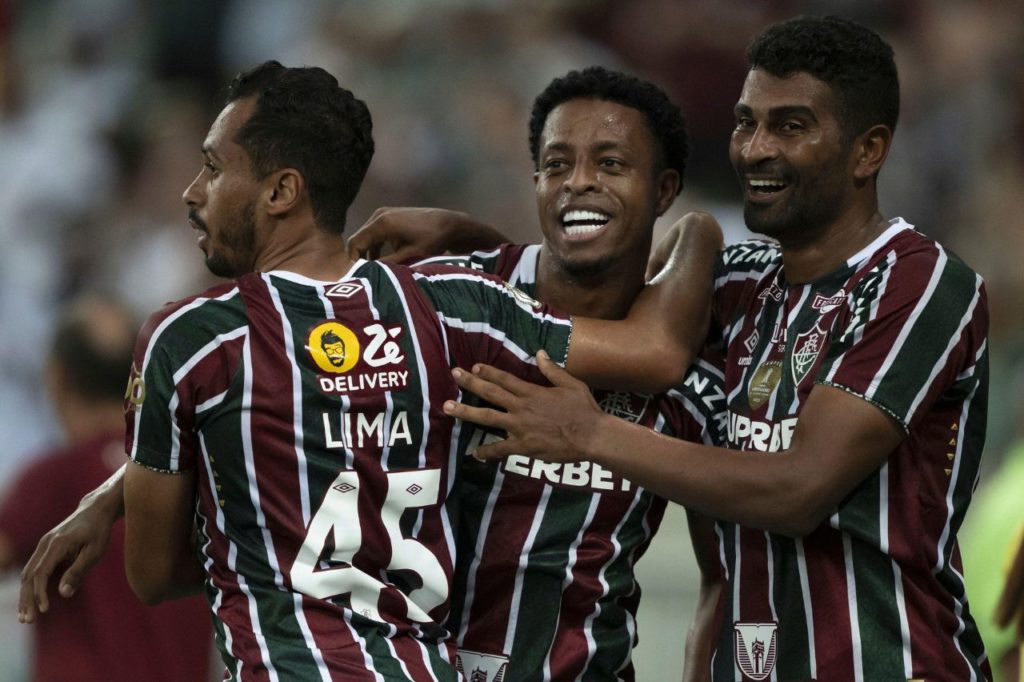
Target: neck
(310, 252)
(809, 260)
(606, 295)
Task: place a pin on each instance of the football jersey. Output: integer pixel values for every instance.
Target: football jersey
(545, 586)
(312, 413)
(876, 592)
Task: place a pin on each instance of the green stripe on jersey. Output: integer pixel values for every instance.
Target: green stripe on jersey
(794, 652)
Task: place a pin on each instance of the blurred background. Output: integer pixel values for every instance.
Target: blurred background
(104, 104)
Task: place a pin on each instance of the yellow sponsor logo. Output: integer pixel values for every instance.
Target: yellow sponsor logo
(333, 347)
(135, 393)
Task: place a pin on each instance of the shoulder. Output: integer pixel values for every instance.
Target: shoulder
(922, 265)
(193, 320)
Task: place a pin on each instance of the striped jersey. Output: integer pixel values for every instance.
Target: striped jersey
(545, 586)
(876, 592)
(312, 414)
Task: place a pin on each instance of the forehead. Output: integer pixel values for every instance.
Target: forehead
(763, 92)
(221, 138)
(595, 121)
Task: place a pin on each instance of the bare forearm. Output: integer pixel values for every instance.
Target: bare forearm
(740, 487)
(468, 234)
(650, 350)
(108, 496)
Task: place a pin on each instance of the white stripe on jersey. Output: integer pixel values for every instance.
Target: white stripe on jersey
(908, 326)
(497, 285)
(790, 321)
(942, 548)
(858, 334)
(851, 600)
(526, 269)
(595, 500)
(257, 631)
(805, 589)
(481, 538)
(152, 343)
(297, 406)
(524, 557)
(901, 607)
(769, 560)
(736, 593)
(211, 403)
(954, 339)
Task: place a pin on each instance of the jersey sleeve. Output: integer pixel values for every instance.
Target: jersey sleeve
(695, 410)
(185, 353)
(487, 320)
(738, 271)
(916, 333)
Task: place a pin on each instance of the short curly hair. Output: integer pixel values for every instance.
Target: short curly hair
(305, 120)
(664, 119)
(854, 60)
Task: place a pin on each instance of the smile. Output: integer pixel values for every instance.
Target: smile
(578, 223)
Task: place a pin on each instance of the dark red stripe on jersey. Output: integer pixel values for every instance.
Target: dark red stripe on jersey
(830, 601)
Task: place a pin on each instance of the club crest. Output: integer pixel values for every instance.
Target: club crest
(477, 667)
(756, 648)
(806, 347)
(624, 405)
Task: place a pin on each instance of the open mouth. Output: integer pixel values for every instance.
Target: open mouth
(581, 222)
(765, 187)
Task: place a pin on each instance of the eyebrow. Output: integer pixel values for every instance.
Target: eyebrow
(778, 112)
(600, 146)
(208, 150)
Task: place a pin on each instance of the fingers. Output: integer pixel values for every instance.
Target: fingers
(72, 577)
(478, 415)
(555, 374)
(503, 380)
(32, 596)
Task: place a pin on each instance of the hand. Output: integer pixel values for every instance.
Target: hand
(554, 422)
(80, 539)
(411, 234)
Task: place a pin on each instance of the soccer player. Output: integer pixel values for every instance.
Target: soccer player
(315, 491)
(544, 570)
(856, 381)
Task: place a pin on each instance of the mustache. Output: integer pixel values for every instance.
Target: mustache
(194, 218)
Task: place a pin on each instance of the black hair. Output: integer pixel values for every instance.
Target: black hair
(92, 346)
(304, 120)
(665, 121)
(854, 60)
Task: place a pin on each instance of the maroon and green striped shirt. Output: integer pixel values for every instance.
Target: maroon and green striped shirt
(877, 591)
(545, 587)
(312, 414)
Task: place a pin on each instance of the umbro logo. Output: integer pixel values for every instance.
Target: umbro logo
(344, 290)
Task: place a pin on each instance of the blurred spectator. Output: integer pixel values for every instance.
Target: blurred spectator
(103, 633)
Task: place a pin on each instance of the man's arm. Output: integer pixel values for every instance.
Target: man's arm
(651, 349)
(159, 556)
(700, 640)
(415, 233)
(80, 539)
(838, 441)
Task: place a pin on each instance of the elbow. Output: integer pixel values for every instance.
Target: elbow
(799, 513)
(149, 594)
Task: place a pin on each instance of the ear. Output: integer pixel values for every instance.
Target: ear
(283, 190)
(669, 184)
(870, 150)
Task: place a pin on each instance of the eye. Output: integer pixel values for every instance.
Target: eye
(555, 164)
(210, 167)
(610, 162)
(791, 126)
(744, 123)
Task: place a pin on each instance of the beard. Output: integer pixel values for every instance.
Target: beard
(234, 257)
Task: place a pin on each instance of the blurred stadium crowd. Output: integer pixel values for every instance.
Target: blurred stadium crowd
(104, 104)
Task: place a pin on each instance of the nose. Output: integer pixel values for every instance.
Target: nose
(760, 145)
(192, 193)
(582, 179)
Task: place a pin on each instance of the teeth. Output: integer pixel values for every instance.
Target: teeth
(589, 217)
(768, 184)
(573, 230)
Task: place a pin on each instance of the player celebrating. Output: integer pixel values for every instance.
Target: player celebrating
(544, 585)
(317, 472)
(856, 382)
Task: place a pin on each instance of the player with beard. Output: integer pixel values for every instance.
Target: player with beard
(316, 492)
(544, 580)
(856, 379)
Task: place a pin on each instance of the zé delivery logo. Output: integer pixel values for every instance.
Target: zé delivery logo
(351, 365)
